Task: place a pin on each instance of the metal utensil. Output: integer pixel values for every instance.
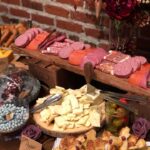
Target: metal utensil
(47, 102)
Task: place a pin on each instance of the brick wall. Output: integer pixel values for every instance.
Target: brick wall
(60, 15)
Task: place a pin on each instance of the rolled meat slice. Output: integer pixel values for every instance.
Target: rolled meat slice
(77, 45)
(123, 69)
(22, 41)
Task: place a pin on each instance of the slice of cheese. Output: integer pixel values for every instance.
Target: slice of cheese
(78, 111)
(45, 115)
(85, 106)
(65, 110)
(88, 123)
(95, 118)
(83, 120)
(61, 122)
(73, 100)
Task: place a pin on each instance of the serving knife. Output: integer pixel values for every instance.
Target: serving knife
(47, 102)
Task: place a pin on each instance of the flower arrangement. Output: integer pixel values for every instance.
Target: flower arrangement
(126, 15)
(134, 11)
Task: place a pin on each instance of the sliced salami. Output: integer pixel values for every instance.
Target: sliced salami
(22, 41)
(86, 60)
(134, 63)
(87, 46)
(77, 45)
(123, 69)
(65, 52)
(142, 60)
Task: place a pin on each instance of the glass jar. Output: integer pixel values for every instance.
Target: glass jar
(13, 116)
(116, 117)
(121, 36)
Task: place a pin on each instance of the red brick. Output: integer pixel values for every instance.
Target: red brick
(37, 6)
(15, 2)
(27, 3)
(20, 13)
(3, 8)
(69, 26)
(94, 33)
(70, 2)
(42, 19)
(90, 5)
(56, 11)
(32, 5)
(87, 18)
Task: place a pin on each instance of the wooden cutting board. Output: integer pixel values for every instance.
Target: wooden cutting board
(49, 129)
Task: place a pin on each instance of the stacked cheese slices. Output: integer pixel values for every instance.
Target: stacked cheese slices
(76, 109)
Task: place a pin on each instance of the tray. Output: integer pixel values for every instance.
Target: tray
(48, 129)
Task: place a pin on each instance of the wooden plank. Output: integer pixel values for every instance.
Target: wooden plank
(108, 79)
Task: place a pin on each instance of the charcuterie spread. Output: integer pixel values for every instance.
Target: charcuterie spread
(79, 53)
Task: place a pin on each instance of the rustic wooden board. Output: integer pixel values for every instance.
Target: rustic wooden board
(49, 129)
(108, 79)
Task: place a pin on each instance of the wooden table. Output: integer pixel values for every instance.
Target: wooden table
(99, 76)
(10, 145)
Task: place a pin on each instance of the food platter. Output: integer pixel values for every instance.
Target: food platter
(50, 130)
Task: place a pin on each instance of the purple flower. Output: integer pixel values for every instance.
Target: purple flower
(120, 9)
(32, 132)
(141, 127)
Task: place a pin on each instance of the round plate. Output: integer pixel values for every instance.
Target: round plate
(49, 129)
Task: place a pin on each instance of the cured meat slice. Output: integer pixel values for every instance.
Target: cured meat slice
(86, 60)
(141, 76)
(51, 50)
(116, 56)
(134, 63)
(77, 56)
(22, 41)
(34, 44)
(77, 45)
(123, 69)
(65, 52)
(87, 46)
(60, 38)
(106, 66)
(69, 41)
(30, 35)
(142, 60)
